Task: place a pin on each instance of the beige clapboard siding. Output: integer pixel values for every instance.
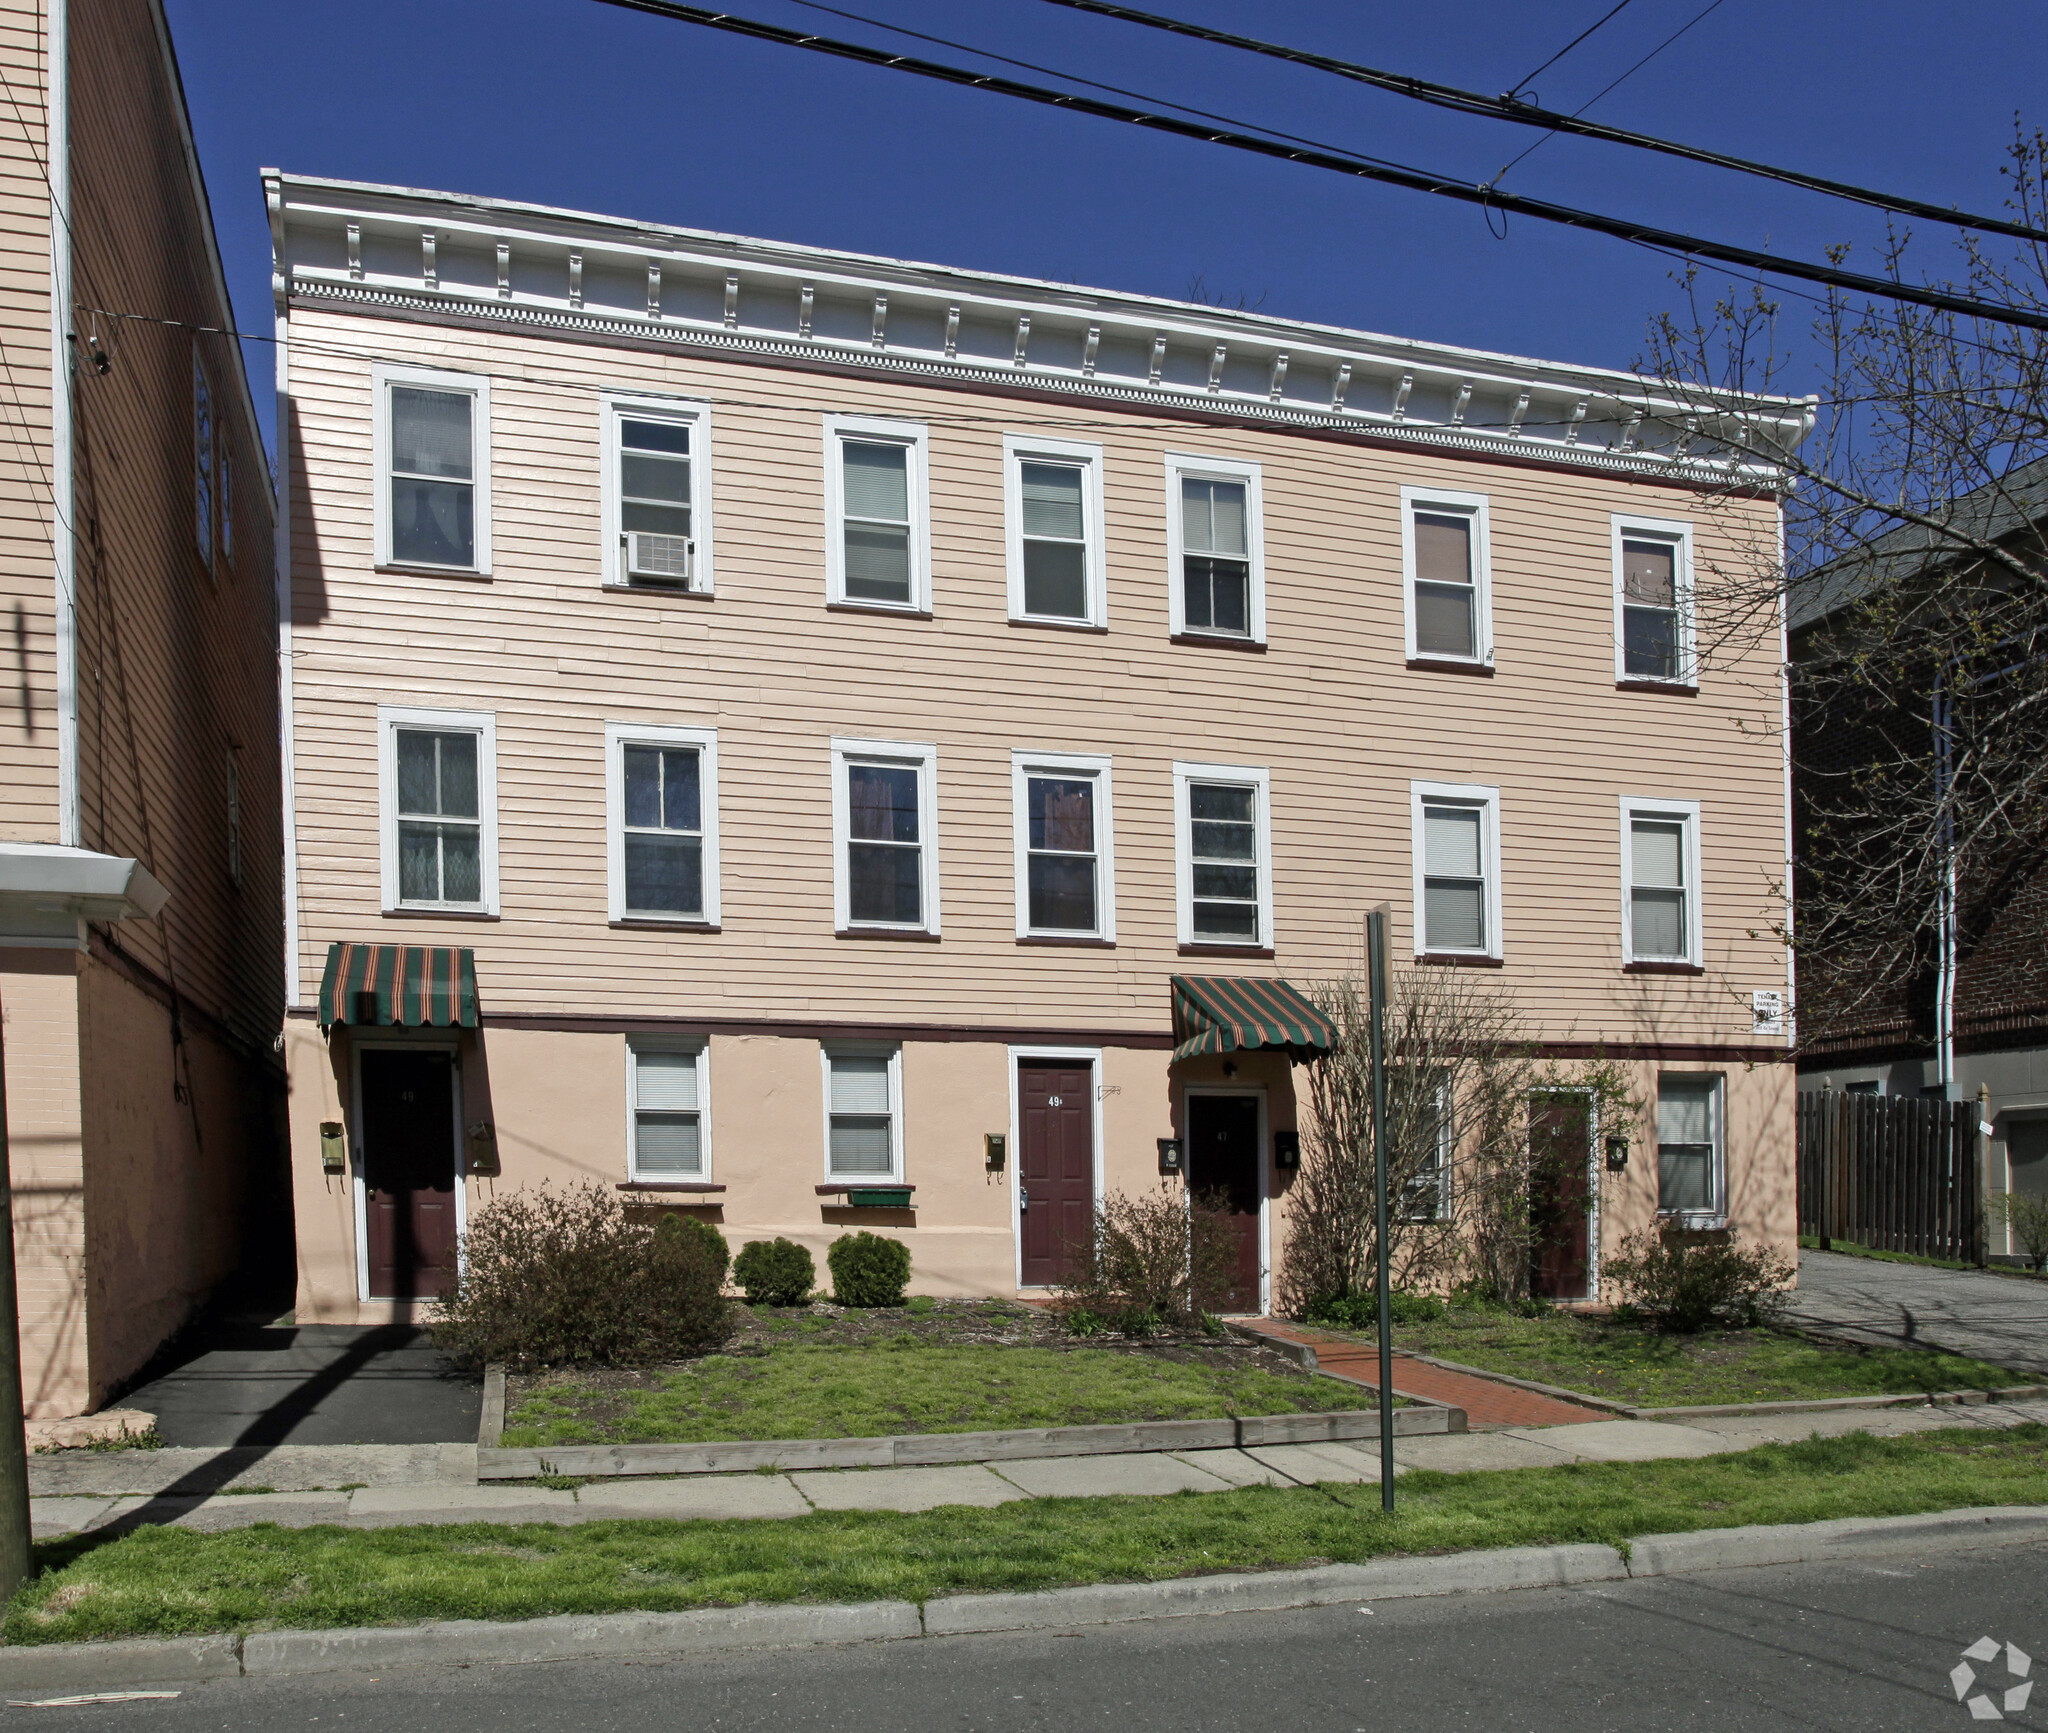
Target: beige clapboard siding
(28, 713)
(176, 664)
(1331, 710)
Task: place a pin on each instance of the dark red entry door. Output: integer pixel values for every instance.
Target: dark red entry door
(409, 1172)
(1560, 1194)
(1223, 1170)
(1056, 1166)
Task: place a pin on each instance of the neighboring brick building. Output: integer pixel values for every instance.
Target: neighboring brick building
(1973, 1017)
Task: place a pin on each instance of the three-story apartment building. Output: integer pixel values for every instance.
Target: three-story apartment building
(820, 740)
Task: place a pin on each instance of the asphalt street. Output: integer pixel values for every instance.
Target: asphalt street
(1865, 1646)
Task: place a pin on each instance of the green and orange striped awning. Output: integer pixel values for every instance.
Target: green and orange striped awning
(1215, 1015)
(408, 985)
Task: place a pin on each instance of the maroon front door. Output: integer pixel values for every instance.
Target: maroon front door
(1223, 1172)
(1560, 1194)
(1055, 1167)
(409, 1172)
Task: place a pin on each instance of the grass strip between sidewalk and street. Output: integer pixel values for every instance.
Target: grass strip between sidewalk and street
(1632, 1362)
(876, 1390)
(159, 1582)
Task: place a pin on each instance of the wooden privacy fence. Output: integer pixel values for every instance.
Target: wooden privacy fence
(1893, 1173)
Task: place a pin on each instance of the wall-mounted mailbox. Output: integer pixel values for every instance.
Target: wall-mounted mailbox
(995, 1150)
(333, 1147)
(1617, 1153)
(1171, 1157)
(1286, 1151)
(483, 1148)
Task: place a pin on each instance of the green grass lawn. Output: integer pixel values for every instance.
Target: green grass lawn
(882, 1389)
(1634, 1364)
(169, 1581)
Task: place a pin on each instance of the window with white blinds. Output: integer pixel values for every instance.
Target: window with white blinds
(1660, 872)
(877, 540)
(1689, 1167)
(1457, 869)
(669, 1112)
(862, 1111)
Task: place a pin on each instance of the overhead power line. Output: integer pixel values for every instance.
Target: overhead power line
(1527, 114)
(1393, 174)
(1607, 17)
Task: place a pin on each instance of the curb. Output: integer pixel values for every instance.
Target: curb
(610, 1636)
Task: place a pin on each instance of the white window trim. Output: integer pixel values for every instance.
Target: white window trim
(1686, 812)
(1451, 503)
(483, 724)
(615, 406)
(1487, 799)
(617, 737)
(1096, 768)
(383, 376)
(1254, 776)
(1717, 1216)
(893, 1052)
(1446, 1157)
(1018, 450)
(701, 1047)
(924, 759)
(915, 437)
(1179, 464)
(1667, 530)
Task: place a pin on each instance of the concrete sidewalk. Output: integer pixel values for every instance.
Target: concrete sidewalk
(2003, 1319)
(422, 1489)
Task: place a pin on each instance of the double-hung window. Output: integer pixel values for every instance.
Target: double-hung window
(1215, 548)
(1445, 552)
(863, 1111)
(1457, 869)
(1689, 1145)
(1661, 902)
(438, 775)
(877, 534)
(1052, 497)
(669, 1104)
(1066, 885)
(203, 442)
(885, 824)
(1225, 854)
(657, 494)
(433, 469)
(1422, 1110)
(1653, 602)
(662, 796)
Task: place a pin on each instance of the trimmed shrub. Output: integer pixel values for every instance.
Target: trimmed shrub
(569, 1278)
(1687, 1285)
(704, 1234)
(868, 1270)
(1362, 1311)
(775, 1273)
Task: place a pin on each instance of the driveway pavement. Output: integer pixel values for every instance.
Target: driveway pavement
(264, 1385)
(2003, 1319)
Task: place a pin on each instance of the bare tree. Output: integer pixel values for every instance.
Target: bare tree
(1915, 575)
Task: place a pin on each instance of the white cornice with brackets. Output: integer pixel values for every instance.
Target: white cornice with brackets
(394, 250)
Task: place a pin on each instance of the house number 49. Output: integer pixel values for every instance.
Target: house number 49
(1052, 1101)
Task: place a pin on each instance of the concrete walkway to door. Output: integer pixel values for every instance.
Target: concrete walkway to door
(2000, 1318)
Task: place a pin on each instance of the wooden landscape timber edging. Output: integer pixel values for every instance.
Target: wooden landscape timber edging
(925, 1449)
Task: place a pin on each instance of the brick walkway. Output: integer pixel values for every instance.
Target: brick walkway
(1485, 1402)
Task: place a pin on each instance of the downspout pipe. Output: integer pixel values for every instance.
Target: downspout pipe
(63, 549)
(1945, 900)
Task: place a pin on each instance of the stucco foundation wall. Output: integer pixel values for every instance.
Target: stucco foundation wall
(558, 1102)
(168, 1179)
(39, 1017)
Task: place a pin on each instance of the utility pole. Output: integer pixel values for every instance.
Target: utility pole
(1376, 975)
(16, 1560)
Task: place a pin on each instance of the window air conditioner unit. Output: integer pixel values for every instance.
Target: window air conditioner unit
(662, 559)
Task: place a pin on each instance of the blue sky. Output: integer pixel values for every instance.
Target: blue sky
(573, 103)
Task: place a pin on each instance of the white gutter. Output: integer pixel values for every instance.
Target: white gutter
(57, 147)
(282, 562)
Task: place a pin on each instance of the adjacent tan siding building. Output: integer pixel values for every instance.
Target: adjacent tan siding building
(1242, 699)
(137, 578)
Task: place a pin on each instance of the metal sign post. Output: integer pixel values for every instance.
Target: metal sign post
(1376, 975)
